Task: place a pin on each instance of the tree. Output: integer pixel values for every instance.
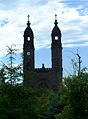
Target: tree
(54, 106)
(18, 102)
(14, 74)
(74, 96)
(2, 74)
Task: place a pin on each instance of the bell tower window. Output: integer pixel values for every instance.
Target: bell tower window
(56, 37)
(28, 38)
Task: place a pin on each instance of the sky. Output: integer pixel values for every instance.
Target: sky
(72, 16)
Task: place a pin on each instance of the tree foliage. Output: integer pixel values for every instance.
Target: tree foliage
(11, 72)
(71, 101)
(2, 74)
(18, 102)
(74, 95)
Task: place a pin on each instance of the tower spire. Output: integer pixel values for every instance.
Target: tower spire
(28, 17)
(55, 20)
(28, 22)
(55, 16)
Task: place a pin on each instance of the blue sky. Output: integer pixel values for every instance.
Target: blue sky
(72, 20)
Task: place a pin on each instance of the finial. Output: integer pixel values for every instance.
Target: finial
(28, 23)
(28, 17)
(43, 66)
(55, 16)
(55, 20)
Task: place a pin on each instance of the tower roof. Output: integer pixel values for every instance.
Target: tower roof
(56, 30)
(28, 31)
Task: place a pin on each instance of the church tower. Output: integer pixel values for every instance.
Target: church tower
(56, 48)
(28, 48)
(42, 78)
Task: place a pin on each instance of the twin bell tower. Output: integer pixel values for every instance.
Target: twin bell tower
(47, 78)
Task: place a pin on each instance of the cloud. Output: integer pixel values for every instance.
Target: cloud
(80, 5)
(38, 2)
(13, 23)
(8, 4)
(72, 20)
(75, 3)
(4, 22)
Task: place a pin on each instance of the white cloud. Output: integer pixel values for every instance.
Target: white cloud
(42, 18)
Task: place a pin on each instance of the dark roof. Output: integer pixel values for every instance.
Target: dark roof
(56, 30)
(28, 31)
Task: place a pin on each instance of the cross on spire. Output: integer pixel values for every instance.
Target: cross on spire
(55, 16)
(28, 23)
(55, 20)
(28, 17)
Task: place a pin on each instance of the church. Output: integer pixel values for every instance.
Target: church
(43, 78)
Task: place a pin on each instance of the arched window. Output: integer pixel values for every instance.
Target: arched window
(56, 37)
(28, 38)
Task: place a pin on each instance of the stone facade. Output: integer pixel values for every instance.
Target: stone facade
(48, 78)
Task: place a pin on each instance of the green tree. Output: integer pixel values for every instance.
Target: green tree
(14, 74)
(74, 95)
(54, 106)
(2, 74)
(17, 102)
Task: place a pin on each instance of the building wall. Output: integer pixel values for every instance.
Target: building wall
(42, 78)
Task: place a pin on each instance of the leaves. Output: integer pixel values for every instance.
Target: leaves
(75, 97)
(11, 72)
(17, 102)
